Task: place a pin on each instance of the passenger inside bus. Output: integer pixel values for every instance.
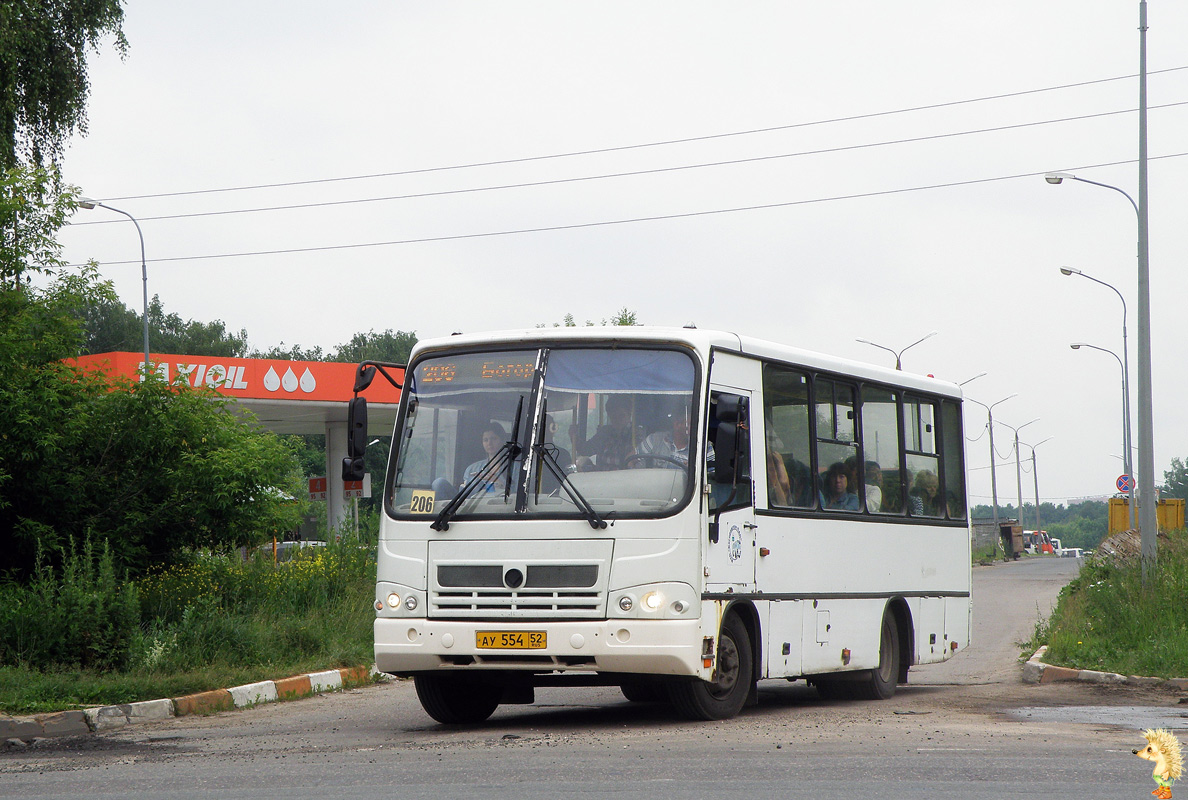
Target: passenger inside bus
(873, 474)
(922, 499)
(611, 444)
(667, 449)
(789, 480)
(836, 496)
(494, 437)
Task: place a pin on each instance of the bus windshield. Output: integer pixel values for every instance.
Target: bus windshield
(546, 432)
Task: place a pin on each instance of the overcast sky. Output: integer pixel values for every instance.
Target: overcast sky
(892, 198)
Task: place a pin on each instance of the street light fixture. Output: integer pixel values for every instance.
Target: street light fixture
(1125, 419)
(993, 470)
(1146, 444)
(898, 355)
(88, 203)
(974, 378)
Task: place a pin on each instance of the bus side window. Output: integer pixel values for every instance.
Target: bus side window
(924, 496)
(882, 482)
(954, 467)
(728, 490)
(838, 470)
(788, 438)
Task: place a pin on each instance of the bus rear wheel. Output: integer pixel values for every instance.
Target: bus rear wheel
(881, 684)
(881, 681)
(456, 699)
(724, 696)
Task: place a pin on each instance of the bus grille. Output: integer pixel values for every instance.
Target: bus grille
(522, 604)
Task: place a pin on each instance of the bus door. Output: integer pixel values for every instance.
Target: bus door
(730, 540)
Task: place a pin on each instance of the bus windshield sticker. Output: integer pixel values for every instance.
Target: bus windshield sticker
(422, 501)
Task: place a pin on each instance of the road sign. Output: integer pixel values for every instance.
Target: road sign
(1125, 483)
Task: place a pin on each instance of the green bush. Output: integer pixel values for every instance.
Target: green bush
(1106, 620)
(82, 616)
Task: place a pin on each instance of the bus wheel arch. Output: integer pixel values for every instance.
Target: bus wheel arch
(734, 673)
(902, 614)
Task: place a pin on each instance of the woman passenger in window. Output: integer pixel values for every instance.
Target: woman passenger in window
(922, 499)
(836, 495)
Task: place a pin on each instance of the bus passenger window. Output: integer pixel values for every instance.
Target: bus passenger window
(883, 486)
(954, 468)
(923, 472)
(788, 438)
(837, 451)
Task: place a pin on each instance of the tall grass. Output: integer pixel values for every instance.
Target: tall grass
(1106, 620)
(209, 622)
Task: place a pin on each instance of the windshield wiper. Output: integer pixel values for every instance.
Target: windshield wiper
(503, 457)
(547, 454)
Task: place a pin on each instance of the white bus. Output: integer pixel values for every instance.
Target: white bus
(674, 511)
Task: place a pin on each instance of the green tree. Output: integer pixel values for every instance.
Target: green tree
(624, 316)
(391, 346)
(149, 467)
(44, 87)
(1176, 480)
(111, 326)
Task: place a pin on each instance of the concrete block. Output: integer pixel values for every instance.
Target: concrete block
(1053, 674)
(297, 686)
(1033, 671)
(107, 718)
(1147, 683)
(204, 702)
(17, 728)
(1094, 676)
(325, 681)
(253, 693)
(64, 723)
(1177, 684)
(355, 675)
(150, 710)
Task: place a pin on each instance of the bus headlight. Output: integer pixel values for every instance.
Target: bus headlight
(394, 600)
(653, 600)
(410, 602)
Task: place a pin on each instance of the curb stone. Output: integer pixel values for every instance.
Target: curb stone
(106, 718)
(1036, 671)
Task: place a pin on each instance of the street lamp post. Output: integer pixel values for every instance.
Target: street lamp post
(898, 355)
(1125, 420)
(993, 478)
(1035, 477)
(88, 203)
(1146, 442)
(1018, 469)
(1128, 442)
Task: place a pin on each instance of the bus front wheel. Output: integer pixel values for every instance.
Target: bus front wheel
(724, 696)
(456, 699)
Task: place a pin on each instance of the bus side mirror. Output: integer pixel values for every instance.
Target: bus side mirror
(352, 466)
(731, 413)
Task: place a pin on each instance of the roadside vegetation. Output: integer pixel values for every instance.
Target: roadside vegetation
(1105, 620)
(77, 635)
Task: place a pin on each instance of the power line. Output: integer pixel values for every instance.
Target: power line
(604, 223)
(664, 143)
(633, 173)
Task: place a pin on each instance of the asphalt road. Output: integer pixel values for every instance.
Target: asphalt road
(967, 728)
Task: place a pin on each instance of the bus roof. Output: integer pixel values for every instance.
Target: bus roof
(701, 340)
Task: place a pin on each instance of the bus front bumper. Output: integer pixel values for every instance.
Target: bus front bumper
(655, 647)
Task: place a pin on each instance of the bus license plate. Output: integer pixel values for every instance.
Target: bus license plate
(510, 640)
